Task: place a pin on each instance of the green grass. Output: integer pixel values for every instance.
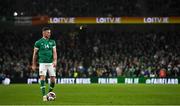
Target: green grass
(92, 94)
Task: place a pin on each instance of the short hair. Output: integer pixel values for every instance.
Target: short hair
(45, 28)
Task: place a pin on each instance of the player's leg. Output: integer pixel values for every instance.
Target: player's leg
(42, 84)
(52, 74)
(43, 87)
(42, 74)
(52, 83)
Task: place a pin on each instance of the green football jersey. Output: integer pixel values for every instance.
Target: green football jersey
(45, 50)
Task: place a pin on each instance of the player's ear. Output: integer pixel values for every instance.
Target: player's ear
(42, 32)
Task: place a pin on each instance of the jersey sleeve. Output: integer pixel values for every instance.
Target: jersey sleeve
(54, 44)
(36, 45)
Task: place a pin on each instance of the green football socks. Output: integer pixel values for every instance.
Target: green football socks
(43, 87)
(43, 90)
(52, 84)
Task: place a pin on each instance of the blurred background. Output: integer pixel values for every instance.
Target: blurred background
(88, 49)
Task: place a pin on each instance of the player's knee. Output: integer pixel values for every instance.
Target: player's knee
(42, 77)
(53, 79)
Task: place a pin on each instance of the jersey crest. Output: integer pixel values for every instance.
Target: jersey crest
(46, 46)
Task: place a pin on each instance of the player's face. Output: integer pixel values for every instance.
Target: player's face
(47, 34)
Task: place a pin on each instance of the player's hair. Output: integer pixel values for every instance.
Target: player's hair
(45, 28)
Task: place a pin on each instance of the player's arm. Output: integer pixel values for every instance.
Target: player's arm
(54, 56)
(34, 58)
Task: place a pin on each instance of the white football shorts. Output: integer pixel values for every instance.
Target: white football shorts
(47, 67)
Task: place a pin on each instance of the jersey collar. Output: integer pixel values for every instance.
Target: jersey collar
(45, 39)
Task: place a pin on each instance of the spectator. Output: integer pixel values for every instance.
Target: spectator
(129, 54)
(89, 8)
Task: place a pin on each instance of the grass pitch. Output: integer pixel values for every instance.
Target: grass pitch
(92, 94)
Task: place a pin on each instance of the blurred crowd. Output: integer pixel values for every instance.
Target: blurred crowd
(69, 8)
(91, 53)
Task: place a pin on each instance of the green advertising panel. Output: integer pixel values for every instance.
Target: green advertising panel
(116, 80)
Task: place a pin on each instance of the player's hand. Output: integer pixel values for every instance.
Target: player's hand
(33, 67)
(54, 64)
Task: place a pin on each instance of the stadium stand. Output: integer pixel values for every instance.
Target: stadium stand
(88, 8)
(106, 54)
